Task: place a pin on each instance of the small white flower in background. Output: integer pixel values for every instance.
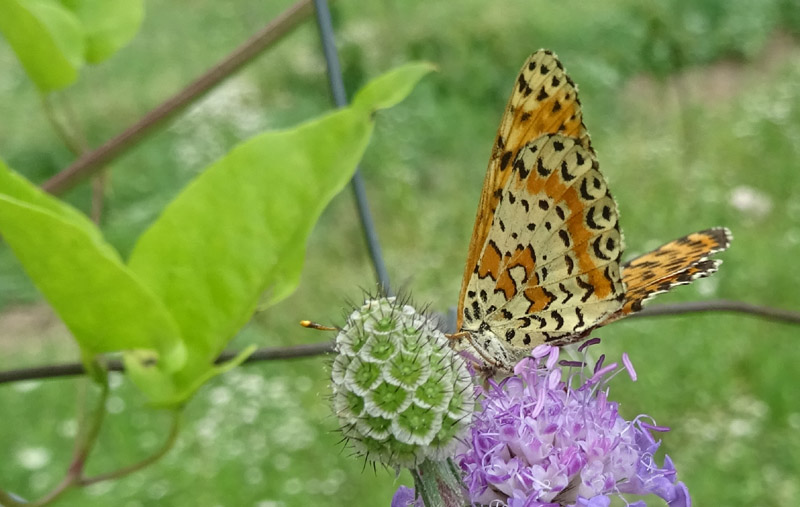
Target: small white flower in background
(33, 458)
(751, 201)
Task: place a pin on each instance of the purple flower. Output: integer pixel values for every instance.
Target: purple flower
(405, 497)
(539, 441)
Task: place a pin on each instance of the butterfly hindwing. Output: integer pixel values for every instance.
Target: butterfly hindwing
(544, 100)
(549, 268)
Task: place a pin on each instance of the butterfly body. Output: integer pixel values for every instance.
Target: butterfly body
(544, 260)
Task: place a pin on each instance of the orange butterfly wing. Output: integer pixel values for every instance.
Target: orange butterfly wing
(678, 262)
(544, 101)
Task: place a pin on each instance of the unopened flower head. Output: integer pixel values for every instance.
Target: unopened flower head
(400, 393)
(543, 440)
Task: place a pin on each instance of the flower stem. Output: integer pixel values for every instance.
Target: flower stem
(439, 484)
(72, 139)
(168, 444)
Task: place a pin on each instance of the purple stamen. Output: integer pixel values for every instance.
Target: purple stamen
(629, 366)
(588, 343)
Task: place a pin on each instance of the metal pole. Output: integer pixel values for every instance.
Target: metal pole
(357, 183)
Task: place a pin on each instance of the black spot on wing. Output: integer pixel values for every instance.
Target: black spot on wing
(589, 288)
(564, 236)
(541, 169)
(504, 160)
(585, 190)
(565, 291)
(523, 86)
(598, 250)
(579, 314)
(476, 311)
(558, 318)
(523, 171)
(565, 175)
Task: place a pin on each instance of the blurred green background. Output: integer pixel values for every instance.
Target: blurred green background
(693, 107)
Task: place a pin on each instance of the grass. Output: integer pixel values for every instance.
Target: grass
(694, 109)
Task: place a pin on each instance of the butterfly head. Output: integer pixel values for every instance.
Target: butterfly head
(484, 349)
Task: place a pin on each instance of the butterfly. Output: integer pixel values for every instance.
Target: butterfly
(543, 265)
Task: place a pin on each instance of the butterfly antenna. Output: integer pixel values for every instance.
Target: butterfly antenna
(318, 327)
(457, 336)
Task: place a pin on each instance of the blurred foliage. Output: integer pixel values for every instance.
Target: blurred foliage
(53, 39)
(694, 108)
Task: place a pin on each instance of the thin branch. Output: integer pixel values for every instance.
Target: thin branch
(74, 477)
(168, 444)
(74, 369)
(336, 83)
(71, 134)
(316, 349)
(293, 352)
(71, 139)
(84, 443)
(95, 160)
(722, 305)
(89, 431)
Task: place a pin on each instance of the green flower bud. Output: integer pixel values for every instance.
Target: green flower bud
(400, 392)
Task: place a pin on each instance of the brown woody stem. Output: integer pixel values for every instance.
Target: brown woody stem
(93, 161)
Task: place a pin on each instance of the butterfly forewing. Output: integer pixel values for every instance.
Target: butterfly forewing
(678, 262)
(549, 268)
(544, 100)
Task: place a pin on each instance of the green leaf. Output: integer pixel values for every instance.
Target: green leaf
(47, 38)
(165, 389)
(240, 228)
(390, 88)
(107, 24)
(104, 306)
